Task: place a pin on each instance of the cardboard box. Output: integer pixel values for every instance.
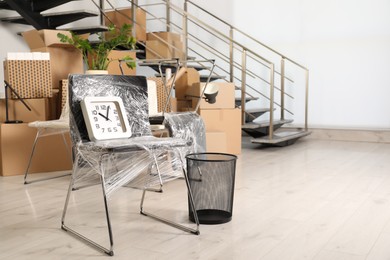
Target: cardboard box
(162, 95)
(45, 38)
(29, 78)
(216, 142)
(164, 45)
(122, 16)
(114, 66)
(163, 36)
(160, 50)
(54, 107)
(225, 98)
(64, 58)
(63, 95)
(184, 83)
(180, 105)
(16, 142)
(40, 110)
(224, 120)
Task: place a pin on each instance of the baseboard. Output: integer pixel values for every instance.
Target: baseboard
(375, 136)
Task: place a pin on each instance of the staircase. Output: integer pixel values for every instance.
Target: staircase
(267, 81)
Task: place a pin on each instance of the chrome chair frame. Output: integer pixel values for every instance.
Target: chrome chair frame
(104, 157)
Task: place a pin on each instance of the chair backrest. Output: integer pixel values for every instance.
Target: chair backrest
(132, 90)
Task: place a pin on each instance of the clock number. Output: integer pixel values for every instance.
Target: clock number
(97, 108)
(115, 129)
(97, 126)
(103, 107)
(109, 129)
(115, 112)
(95, 118)
(94, 112)
(118, 124)
(102, 129)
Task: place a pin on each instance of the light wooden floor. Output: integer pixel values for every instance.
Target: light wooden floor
(312, 200)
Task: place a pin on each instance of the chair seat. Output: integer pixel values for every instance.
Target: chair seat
(134, 143)
(57, 124)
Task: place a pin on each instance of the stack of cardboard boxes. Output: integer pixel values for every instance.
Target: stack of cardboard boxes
(222, 120)
(16, 140)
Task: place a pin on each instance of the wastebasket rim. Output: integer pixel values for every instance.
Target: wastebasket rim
(232, 157)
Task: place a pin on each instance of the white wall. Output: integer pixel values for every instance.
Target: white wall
(346, 46)
(10, 42)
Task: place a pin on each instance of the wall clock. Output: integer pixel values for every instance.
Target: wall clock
(105, 118)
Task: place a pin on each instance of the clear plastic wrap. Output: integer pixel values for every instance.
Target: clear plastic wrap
(188, 126)
(52, 127)
(135, 160)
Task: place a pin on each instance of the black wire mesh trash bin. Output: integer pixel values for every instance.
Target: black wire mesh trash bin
(211, 177)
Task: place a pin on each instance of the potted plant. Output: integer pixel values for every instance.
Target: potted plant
(95, 55)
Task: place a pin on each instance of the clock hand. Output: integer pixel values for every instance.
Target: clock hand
(108, 109)
(100, 114)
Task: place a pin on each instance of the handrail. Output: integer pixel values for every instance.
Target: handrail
(221, 34)
(247, 35)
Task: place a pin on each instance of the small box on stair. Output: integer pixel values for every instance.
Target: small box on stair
(164, 45)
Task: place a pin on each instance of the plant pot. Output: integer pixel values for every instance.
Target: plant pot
(94, 72)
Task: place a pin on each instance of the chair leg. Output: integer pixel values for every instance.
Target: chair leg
(31, 156)
(168, 222)
(109, 251)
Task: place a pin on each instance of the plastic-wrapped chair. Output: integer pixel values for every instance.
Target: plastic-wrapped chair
(118, 162)
(46, 128)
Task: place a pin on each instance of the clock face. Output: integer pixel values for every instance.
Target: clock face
(105, 118)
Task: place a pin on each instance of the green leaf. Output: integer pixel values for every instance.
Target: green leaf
(96, 55)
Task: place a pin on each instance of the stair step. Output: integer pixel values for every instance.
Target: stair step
(87, 29)
(203, 78)
(61, 18)
(42, 5)
(14, 19)
(253, 113)
(54, 19)
(38, 5)
(261, 128)
(247, 99)
(265, 123)
(282, 138)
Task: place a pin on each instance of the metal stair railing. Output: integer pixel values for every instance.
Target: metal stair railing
(246, 52)
(241, 65)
